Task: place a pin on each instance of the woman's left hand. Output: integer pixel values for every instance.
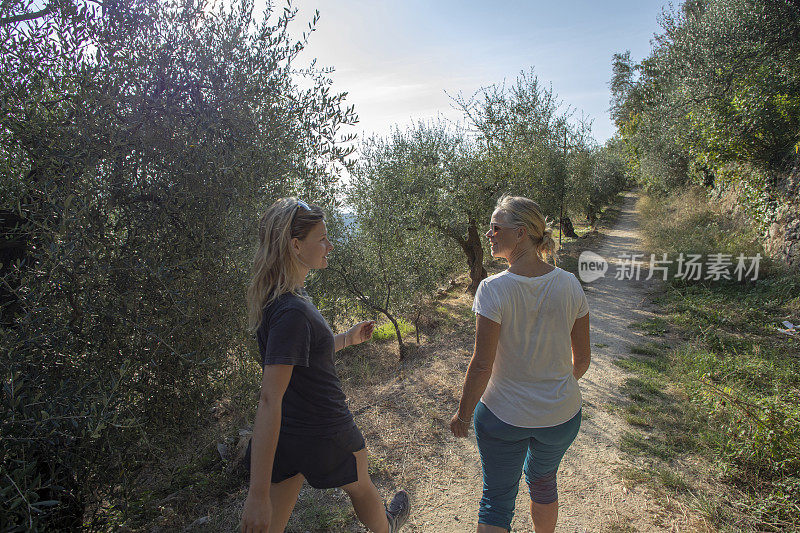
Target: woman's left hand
(459, 428)
(359, 333)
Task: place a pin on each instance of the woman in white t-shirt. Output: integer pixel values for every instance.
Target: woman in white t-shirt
(531, 347)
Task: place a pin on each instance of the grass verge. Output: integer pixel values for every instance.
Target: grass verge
(725, 400)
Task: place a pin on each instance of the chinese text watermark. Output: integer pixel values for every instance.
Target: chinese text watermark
(690, 267)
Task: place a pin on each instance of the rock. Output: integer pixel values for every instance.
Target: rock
(222, 449)
(203, 520)
(783, 235)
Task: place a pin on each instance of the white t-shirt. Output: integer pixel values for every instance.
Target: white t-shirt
(532, 383)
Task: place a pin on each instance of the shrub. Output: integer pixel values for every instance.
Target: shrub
(130, 180)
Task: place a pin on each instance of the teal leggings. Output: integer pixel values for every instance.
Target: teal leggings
(506, 450)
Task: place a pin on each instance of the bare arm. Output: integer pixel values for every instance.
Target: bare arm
(581, 347)
(257, 507)
(487, 335)
(340, 341)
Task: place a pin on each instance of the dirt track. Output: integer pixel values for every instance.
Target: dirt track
(405, 423)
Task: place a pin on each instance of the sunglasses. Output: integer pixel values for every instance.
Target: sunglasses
(495, 228)
(300, 203)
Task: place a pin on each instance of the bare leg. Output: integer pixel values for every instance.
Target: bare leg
(545, 516)
(486, 528)
(283, 496)
(366, 500)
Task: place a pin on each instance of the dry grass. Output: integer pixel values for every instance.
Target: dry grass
(688, 222)
(705, 453)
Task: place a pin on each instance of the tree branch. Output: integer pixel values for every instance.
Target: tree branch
(450, 232)
(360, 295)
(27, 16)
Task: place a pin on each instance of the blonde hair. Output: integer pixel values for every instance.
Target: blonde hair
(275, 266)
(524, 212)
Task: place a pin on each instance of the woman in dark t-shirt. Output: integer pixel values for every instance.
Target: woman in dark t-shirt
(303, 429)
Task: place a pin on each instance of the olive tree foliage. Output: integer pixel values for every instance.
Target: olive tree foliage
(521, 128)
(139, 141)
(608, 175)
(721, 87)
(386, 260)
(742, 83)
(645, 107)
(532, 145)
(439, 177)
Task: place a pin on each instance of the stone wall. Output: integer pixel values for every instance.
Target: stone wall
(783, 236)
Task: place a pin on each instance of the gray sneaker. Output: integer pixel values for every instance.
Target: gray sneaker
(398, 510)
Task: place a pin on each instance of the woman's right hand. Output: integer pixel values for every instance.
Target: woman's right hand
(459, 428)
(361, 332)
(256, 515)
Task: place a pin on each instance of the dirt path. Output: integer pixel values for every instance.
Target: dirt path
(592, 495)
(446, 489)
(405, 421)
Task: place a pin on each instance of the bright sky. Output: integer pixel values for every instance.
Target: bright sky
(396, 59)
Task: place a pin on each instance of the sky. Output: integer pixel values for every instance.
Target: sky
(401, 61)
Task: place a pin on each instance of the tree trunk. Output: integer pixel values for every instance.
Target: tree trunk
(400, 345)
(591, 215)
(416, 322)
(567, 228)
(474, 250)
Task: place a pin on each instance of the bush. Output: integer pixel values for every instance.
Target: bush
(130, 181)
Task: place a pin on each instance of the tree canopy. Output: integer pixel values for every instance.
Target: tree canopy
(140, 140)
(717, 102)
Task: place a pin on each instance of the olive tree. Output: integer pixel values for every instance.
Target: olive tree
(719, 87)
(384, 259)
(532, 144)
(140, 140)
(438, 178)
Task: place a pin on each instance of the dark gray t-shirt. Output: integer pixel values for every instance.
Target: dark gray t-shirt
(293, 332)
